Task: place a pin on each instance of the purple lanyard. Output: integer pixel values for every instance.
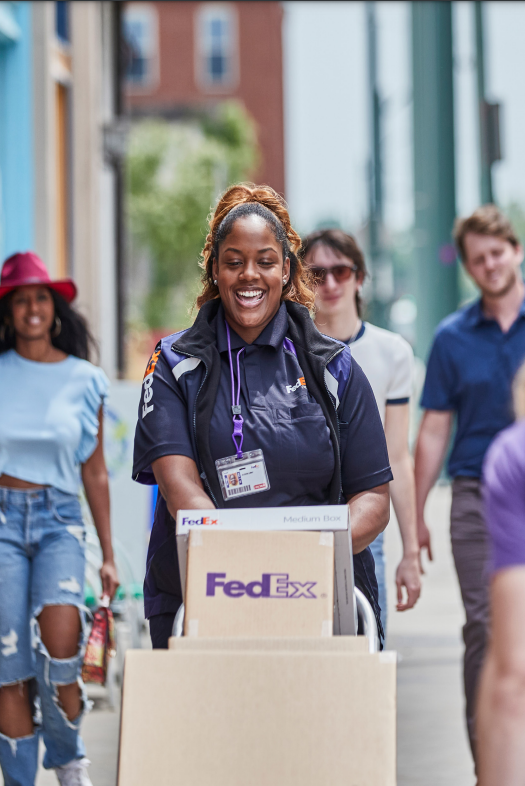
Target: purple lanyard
(236, 404)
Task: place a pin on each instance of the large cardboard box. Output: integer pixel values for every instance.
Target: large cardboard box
(258, 718)
(331, 644)
(259, 584)
(335, 518)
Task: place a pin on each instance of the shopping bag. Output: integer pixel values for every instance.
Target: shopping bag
(100, 646)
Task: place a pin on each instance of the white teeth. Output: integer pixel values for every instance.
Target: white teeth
(251, 293)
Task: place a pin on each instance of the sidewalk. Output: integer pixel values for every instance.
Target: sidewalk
(100, 732)
(432, 741)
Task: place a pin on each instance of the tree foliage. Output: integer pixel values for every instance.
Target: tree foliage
(175, 172)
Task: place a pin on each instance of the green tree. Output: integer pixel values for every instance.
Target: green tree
(516, 213)
(175, 172)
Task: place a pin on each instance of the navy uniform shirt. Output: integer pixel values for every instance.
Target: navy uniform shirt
(280, 416)
(470, 370)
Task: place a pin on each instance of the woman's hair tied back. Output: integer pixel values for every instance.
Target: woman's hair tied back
(242, 200)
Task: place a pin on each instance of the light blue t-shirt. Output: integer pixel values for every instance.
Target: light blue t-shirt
(48, 418)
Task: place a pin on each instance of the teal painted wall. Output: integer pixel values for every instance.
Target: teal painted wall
(16, 129)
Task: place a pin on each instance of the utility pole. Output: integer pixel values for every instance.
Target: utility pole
(489, 137)
(381, 268)
(434, 168)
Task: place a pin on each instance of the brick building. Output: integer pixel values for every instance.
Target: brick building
(187, 56)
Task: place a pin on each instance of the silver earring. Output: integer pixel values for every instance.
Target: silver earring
(215, 281)
(284, 282)
(57, 328)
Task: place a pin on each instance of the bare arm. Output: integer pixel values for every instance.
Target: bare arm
(501, 705)
(180, 484)
(181, 487)
(402, 490)
(431, 448)
(96, 486)
(369, 514)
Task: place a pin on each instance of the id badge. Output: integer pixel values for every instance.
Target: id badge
(241, 476)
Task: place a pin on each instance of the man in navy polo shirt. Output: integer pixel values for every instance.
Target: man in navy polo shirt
(474, 357)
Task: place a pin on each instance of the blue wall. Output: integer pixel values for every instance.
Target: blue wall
(16, 129)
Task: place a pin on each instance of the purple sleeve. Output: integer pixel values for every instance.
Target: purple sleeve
(504, 495)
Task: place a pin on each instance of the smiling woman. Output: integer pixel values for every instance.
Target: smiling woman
(252, 406)
(243, 201)
(51, 401)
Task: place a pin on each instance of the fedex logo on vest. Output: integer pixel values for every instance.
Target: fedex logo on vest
(271, 585)
(147, 383)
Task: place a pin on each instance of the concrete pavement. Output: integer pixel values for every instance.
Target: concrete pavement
(432, 741)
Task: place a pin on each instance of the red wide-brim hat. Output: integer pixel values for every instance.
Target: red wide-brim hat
(26, 269)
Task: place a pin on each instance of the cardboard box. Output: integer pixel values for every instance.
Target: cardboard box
(258, 718)
(300, 518)
(333, 518)
(259, 584)
(332, 644)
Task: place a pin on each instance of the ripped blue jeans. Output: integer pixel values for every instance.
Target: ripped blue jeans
(42, 563)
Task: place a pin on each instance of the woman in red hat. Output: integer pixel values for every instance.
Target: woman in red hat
(51, 401)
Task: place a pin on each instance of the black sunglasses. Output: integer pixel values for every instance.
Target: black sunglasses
(340, 273)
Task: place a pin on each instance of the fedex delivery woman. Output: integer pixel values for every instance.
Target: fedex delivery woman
(253, 375)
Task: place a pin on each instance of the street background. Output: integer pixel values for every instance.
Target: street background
(122, 122)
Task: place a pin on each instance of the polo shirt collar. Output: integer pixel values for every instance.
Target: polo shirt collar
(273, 334)
(476, 316)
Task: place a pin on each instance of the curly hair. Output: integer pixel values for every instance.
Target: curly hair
(246, 199)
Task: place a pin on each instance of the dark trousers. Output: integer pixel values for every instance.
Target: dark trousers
(470, 549)
(160, 630)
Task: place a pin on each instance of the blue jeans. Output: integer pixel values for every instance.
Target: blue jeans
(42, 561)
(379, 558)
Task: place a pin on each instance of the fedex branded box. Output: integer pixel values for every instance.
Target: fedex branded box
(259, 584)
(320, 518)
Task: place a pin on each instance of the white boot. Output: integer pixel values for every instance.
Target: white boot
(74, 773)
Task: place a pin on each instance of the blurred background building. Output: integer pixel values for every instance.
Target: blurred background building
(58, 98)
(187, 57)
(61, 194)
(121, 122)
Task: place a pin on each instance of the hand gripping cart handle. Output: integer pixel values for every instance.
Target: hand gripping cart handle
(350, 605)
(365, 614)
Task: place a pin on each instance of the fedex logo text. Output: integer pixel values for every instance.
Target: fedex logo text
(292, 388)
(271, 585)
(205, 521)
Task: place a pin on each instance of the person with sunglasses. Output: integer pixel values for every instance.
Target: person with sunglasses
(339, 270)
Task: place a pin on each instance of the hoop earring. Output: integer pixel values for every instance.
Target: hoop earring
(57, 328)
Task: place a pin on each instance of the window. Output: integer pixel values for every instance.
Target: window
(141, 37)
(216, 48)
(62, 21)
